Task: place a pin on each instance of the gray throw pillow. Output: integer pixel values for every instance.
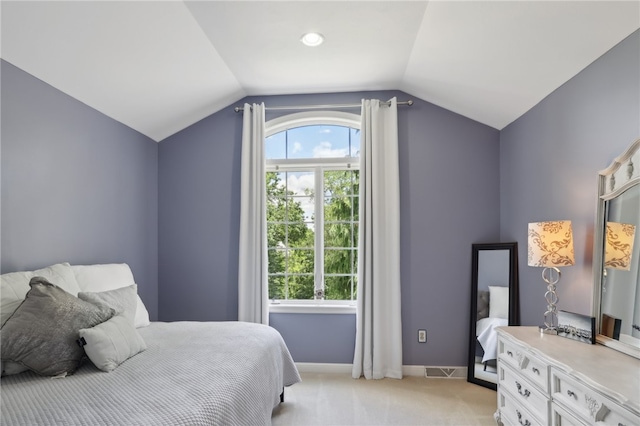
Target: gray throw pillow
(41, 334)
(9, 368)
(123, 300)
(483, 304)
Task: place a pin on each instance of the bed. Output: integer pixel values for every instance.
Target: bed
(493, 311)
(187, 373)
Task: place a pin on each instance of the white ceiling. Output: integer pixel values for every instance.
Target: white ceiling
(160, 66)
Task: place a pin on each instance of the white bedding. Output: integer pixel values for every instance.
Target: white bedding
(192, 373)
(488, 337)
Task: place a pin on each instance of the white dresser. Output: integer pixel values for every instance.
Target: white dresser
(550, 380)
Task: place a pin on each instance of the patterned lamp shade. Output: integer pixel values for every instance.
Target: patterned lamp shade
(550, 244)
(619, 245)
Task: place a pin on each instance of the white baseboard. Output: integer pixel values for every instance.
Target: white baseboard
(407, 370)
(314, 367)
(413, 370)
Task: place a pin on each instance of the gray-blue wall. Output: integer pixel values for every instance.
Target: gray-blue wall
(449, 179)
(199, 199)
(76, 186)
(549, 160)
(95, 183)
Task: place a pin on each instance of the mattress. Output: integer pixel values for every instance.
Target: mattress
(192, 373)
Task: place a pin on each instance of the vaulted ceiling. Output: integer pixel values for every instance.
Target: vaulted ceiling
(160, 66)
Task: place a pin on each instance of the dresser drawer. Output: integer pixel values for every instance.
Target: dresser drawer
(561, 417)
(523, 392)
(587, 404)
(530, 366)
(514, 413)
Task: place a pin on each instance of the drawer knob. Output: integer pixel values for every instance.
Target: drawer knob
(526, 392)
(571, 393)
(526, 422)
(535, 370)
(509, 353)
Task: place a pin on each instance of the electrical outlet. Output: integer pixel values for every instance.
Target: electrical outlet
(422, 336)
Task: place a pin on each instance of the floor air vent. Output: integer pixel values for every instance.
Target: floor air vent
(446, 372)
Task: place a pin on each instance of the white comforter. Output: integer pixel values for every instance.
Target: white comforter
(192, 373)
(488, 336)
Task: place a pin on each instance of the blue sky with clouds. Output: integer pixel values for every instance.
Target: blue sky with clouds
(313, 142)
(317, 141)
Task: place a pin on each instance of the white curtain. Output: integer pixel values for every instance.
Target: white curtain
(378, 351)
(253, 290)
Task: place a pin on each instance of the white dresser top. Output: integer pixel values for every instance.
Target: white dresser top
(611, 372)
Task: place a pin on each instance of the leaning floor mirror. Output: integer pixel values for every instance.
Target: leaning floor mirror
(494, 303)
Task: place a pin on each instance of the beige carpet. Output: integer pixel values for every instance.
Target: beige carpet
(337, 399)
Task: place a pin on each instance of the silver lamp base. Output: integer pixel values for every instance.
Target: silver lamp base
(551, 276)
(545, 330)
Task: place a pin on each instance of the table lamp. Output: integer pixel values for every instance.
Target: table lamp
(550, 245)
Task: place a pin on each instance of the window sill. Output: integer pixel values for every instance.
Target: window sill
(293, 308)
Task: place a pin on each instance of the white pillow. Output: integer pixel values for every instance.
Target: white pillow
(98, 278)
(498, 302)
(111, 343)
(15, 285)
(142, 315)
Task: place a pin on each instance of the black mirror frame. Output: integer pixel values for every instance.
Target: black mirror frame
(514, 297)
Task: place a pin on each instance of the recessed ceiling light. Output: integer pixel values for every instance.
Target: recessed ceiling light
(312, 39)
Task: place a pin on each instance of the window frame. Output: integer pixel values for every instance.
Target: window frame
(291, 121)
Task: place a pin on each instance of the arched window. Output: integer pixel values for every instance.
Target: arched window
(312, 179)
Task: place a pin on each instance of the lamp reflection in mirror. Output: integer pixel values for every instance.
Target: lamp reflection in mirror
(619, 245)
(550, 245)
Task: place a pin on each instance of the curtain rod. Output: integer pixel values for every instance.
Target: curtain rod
(300, 107)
